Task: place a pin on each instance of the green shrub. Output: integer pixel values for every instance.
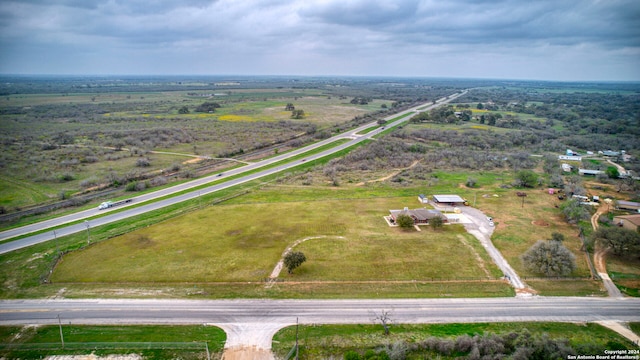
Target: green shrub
(351, 355)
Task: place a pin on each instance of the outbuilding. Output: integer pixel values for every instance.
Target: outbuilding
(449, 200)
(590, 172)
(628, 205)
(631, 222)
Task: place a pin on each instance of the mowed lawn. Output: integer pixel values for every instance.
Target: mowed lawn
(243, 242)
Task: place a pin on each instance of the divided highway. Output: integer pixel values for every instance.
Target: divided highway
(353, 136)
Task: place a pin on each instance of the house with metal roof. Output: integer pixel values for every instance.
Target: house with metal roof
(419, 216)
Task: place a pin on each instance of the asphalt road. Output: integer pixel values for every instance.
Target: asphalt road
(127, 311)
(116, 216)
(256, 317)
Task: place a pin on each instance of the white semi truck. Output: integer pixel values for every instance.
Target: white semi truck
(109, 204)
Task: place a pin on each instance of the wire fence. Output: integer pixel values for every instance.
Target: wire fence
(121, 346)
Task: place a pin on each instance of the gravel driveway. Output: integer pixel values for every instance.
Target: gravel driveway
(477, 224)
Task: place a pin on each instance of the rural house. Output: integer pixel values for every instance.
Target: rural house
(419, 216)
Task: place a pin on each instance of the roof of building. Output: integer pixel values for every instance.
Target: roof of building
(634, 219)
(628, 203)
(448, 198)
(418, 214)
(590, 172)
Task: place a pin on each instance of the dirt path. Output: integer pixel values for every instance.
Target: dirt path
(390, 175)
(477, 256)
(276, 270)
(600, 256)
(621, 170)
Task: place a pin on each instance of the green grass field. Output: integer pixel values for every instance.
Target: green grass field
(152, 342)
(224, 253)
(625, 272)
(222, 243)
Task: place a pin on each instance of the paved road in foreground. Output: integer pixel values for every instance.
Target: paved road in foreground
(253, 322)
(353, 136)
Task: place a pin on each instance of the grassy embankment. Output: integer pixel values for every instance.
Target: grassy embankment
(152, 342)
(325, 341)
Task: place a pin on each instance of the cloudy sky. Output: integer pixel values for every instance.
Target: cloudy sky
(505, 39)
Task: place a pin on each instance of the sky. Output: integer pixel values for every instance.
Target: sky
(565, 40)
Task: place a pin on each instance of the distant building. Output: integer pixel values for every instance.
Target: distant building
(570, 158)
(566, 167)
(609, 153)
(628, 205)
(589, 172)
(631, 222)
(423, 198)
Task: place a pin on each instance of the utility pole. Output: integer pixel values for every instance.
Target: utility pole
(61, 337)
(296, 338)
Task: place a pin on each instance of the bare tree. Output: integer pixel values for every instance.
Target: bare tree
(384, 317)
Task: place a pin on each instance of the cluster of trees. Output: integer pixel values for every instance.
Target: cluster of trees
(441, 114)
(621, 241)
(401, 149)
(516, 345)
(574, 212)
(613, 117)
(490, 119)
(486, 140)
(361, 100)
(297, 114)
(207, 107)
